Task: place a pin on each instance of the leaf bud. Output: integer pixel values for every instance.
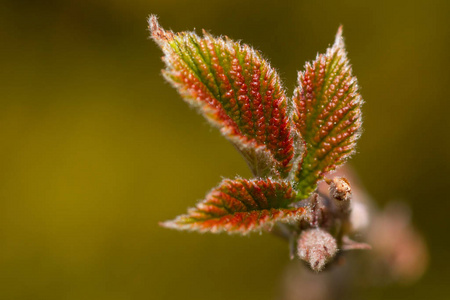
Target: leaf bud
(317, 247)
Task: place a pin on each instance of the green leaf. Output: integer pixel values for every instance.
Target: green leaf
(327, 114)
(241, 206)
(236, 90)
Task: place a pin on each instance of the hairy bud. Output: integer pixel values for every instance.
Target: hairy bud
(340, 189)
(341, 192)
(316, 247)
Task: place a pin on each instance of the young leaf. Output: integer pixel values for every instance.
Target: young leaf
(327, 114)
(236, 90)
(241, 206)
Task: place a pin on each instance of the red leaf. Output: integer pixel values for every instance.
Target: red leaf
(327, 114)
(236, 90)
(241, 206)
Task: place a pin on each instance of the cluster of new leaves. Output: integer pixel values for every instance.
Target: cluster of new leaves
(288, 143)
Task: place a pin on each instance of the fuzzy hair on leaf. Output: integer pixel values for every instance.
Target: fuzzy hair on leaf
(327, 114)
(236, 90)
(241, 206)
(289, 144)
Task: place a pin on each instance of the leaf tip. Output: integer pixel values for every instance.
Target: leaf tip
(340, 30)
(168, 224)
(339, 40)
(156, 31)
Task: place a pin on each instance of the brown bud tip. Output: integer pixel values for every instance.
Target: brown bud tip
(317, 247)
(156, 31)
(340, 189)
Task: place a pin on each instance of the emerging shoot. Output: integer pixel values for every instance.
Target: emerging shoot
(289, 143)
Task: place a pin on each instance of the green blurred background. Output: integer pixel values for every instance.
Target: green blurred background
(95, 148)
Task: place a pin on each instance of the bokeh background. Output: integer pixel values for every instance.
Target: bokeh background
(95, 148)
